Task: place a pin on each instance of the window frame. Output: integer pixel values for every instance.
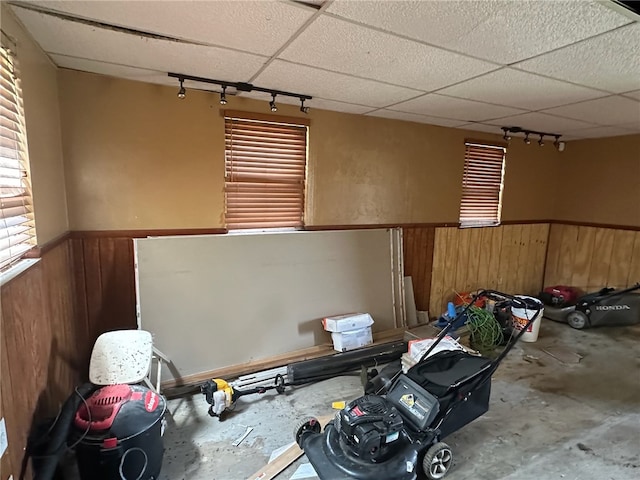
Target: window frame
(289, 174)
(480, 162)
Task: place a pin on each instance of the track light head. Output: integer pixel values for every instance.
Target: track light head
(541, 141)
(526, 139)
(303, 109)
(182, 92)
(506, 135)
(223, 96)
(272, 103)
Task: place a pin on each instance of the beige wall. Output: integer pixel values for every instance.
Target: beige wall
(137, 157)
(40, 91)
(600, 181)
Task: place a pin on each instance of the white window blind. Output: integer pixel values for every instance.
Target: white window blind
(17, 229)
(482, 184)
(265, 171)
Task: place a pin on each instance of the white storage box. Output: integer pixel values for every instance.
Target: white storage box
(347, 323)
(344, 341)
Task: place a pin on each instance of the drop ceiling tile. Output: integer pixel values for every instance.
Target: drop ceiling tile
(635, 94)
(314, 103)
(452, 107)
(515, 88)
(501, 31)
(129, 73)
(331, 86)
(412, 117)
(112, 70)
(83, 41)
(260, 27)
(543, 122)
(343, 47)
(599, 132)
(613, 110)
(609, 62)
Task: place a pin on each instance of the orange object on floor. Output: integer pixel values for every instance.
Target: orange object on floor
(464, 298)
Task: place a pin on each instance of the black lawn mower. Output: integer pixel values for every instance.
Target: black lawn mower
(606, 307)
(397, 427)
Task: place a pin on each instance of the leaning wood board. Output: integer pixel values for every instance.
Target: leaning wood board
(290, 455)
(221, 300)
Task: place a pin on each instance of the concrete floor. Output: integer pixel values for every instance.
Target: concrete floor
(547, 419)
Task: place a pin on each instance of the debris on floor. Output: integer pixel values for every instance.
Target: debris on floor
(243, 436)
(563, 354)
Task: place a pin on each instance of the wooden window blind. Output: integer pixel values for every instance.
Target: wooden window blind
(482, 183)
(17, 229)
(265, 171)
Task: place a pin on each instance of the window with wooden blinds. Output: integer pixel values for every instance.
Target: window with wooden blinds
(482, 183)
(265, 171)
(17, 229)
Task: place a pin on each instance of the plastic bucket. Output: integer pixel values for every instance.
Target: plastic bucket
(521, 316)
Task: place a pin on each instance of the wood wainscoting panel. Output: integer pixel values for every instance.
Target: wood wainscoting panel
(41, 347)
(105, 282)
(592, 257)
(418, 259)
(509, 258)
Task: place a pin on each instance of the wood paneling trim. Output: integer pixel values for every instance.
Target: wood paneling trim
(161, 232)
(39, 250)
(635, 228)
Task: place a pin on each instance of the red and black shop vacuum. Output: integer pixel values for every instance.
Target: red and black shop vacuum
(114, 424)
(118, 433)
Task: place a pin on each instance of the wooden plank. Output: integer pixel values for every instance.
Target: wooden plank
(601, 258)
(81, 315)
(450, 267)
(438, 270)
(634, 264)
(290, 455)
(540, 238)
(461, 257)
(621, 256)
(583, 252)
(509, 257)
(495, 276)
(568, 247)
(473, 265)
(553, 255)
(484, 257)
(523, 262)
(428, 266)
(93, 286)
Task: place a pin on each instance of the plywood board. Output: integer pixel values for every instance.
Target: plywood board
(221, 300)
(592, 257)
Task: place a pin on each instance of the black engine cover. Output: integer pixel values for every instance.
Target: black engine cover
(370, 427)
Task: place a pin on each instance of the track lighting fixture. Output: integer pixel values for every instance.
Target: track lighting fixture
(182, 92)
(240, 87)
(506, 135)
(557, 143)
(303, 109)
(223, 96)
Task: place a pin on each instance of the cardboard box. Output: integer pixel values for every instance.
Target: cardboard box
(347, 323)
(344, 341)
